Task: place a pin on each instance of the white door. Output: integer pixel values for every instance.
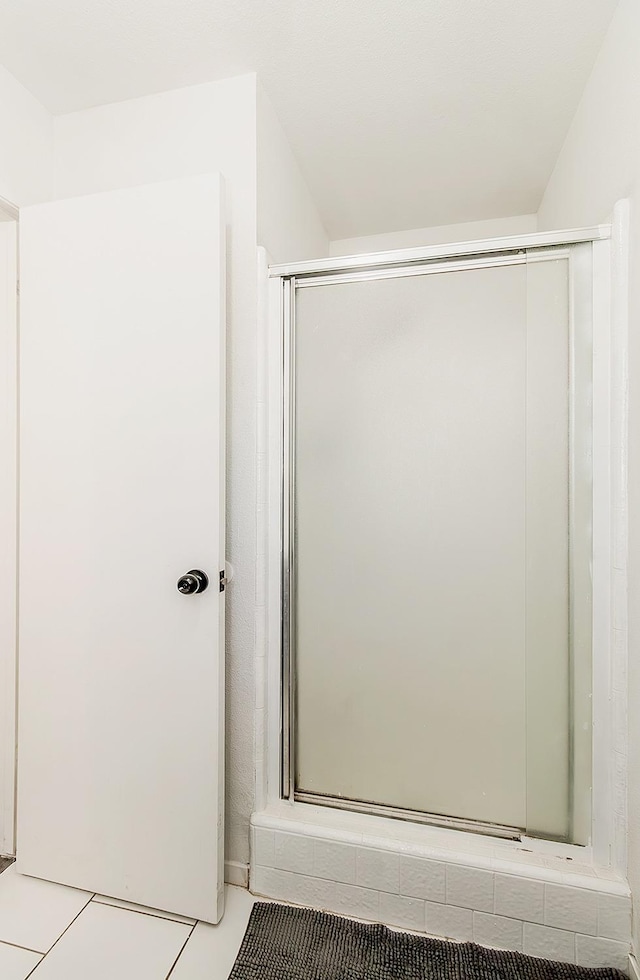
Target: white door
(120, 769)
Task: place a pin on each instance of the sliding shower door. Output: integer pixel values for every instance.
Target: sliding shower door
(437, 569)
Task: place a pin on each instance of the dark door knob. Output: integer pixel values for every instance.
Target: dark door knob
(193, 582)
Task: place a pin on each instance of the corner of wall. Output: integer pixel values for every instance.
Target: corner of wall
(289, 223)
(599, 160)
(26, 165)
(468, 231)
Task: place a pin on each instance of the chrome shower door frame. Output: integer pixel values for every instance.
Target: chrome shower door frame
(411, 262)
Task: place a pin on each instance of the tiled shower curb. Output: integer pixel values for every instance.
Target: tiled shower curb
(575, 917)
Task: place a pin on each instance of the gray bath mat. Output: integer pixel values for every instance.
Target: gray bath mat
(283, 943)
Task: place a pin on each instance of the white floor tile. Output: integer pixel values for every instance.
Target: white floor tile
(16, 963)
(121, 904)
(110, 943)
(211, 950)
(34, 913)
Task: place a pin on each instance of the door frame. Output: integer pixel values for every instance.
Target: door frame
(8, 518)
(610, 310)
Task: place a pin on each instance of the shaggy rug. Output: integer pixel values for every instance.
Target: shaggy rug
(283, 943)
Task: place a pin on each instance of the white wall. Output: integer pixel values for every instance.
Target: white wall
(189, 131)
(442, 234)
(289, 226)
(599, 164)
(26, 133)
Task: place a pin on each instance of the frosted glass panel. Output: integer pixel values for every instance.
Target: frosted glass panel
(431, 543)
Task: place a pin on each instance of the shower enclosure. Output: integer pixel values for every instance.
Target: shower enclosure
(437, 538)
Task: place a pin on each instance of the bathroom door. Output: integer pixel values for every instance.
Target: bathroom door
(120, 771)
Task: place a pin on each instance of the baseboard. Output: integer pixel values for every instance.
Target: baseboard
(634, 968)
(236, 873)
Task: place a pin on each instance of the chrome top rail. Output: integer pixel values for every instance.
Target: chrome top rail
(428, 253)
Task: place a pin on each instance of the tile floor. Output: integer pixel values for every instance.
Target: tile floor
(50, 932)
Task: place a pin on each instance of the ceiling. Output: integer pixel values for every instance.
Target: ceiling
(402, 113)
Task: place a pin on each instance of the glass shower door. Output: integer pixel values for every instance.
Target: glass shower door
(432, 506)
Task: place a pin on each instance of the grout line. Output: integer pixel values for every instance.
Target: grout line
(60, 936)
(5, 942)
(143, 911)
(70, 924)
(182, 948)
(30, 974)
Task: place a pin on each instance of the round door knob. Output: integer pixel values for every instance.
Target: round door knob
(193, 582)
